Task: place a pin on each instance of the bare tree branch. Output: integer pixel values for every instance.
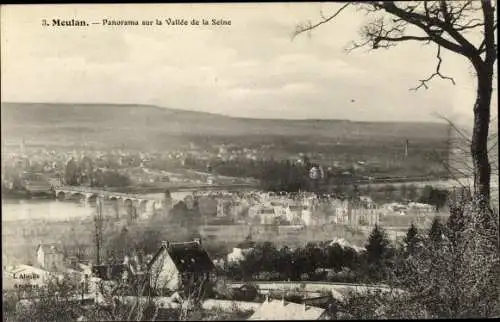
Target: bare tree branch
(454, 127)
(444, 23)
(450, 169)
(308, 27)
(423, 82)
(427, 22)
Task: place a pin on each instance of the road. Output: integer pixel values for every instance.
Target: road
(136, 191)
(337, 290)
(419, 182)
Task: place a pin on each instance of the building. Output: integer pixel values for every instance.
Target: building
(340, 210)
(177, 265)
(421, 207)
(50, 257)
(307, 217)
(293, 213)
(241, 251)
(283, 310)
(25, 278)
(267, 216)
(223, 206)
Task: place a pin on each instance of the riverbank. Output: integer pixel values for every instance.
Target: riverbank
(26, 195)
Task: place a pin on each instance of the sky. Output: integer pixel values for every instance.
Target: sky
(251, 68)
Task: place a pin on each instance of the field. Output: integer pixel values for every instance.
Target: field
(147, 126)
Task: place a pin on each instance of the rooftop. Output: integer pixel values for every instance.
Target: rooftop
(187, 257)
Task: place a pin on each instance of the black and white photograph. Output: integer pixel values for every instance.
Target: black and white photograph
(250, 161)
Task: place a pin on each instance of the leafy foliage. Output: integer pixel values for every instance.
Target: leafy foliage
(436, 231)
(433, 196)
(411, 240)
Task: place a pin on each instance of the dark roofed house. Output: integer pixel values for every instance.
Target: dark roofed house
(179, 266)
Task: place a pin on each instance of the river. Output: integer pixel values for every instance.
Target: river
(50, 209)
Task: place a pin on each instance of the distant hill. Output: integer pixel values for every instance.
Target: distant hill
(113, 124)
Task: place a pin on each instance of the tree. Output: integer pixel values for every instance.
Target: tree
(446, 24)
(411, 239)
(72, 173)
(457, 276)
(411, 191)
(168, 196)
(52, 303)
(389, 190)
(436, 231)
(378, 251)
(433, 196)
(456, 222)
(87, 170)
(179, 212)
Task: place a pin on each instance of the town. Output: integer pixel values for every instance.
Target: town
(220, 236)
(250, 162)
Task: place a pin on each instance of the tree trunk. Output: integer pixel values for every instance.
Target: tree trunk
(479, 144)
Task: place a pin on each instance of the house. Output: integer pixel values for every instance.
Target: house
(81, 252)
(24, 275)
(283, 310)
(294, 213)
(50, 256)
(267, 216)
(25, 279)
(176, 266)
(239, 253)
(306, 217)
(223, 207)
(236, 256)
(421, 207)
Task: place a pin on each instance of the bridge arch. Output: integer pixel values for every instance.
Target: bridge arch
(113, 198)
(76, 196)
(92, 198)
(60, 195)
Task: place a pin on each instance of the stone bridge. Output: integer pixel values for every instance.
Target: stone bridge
(135, 204)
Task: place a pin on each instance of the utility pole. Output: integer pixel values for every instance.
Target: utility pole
(98, 229)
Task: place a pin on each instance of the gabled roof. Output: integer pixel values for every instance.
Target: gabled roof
(187, 257)
(26, 268)
(282, 310)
